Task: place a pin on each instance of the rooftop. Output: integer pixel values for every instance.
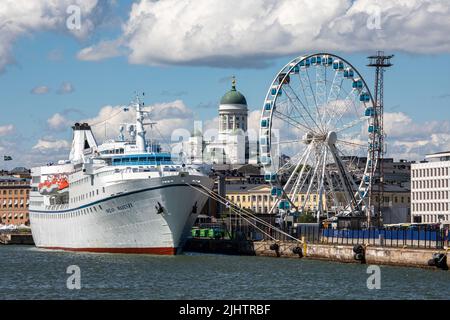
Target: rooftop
(20, 170)
(438, 155)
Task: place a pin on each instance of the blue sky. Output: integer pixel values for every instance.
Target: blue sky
(418, 85)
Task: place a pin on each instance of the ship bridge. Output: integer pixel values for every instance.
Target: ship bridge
(143, 159)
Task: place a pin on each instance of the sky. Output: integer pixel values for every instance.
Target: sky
(77, 60)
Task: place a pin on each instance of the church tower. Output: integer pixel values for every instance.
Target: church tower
(233, 111)
(233, 114)
(231, 145)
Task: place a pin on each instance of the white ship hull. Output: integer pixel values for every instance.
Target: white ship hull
(126, 218)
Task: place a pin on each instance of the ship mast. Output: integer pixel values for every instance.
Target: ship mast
(140, 131)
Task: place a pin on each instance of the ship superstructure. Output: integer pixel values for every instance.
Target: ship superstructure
(124, 196)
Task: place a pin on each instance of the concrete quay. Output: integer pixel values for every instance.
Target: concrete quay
(397, 256)
(16, 238)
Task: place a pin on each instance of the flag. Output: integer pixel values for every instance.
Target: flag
(7, 158)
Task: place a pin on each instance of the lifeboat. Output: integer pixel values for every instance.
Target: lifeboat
(42, 187)
(53, 186)
(63, 184)
(47, 187)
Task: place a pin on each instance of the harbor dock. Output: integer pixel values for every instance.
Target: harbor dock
(397, 256)
(16, 238)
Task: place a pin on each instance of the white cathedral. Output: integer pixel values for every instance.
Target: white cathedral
(228, 145)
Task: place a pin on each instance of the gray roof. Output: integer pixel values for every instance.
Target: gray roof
(243, 187)
(20, 170)
(392, 188)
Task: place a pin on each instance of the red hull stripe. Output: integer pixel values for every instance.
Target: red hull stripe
(161, 251)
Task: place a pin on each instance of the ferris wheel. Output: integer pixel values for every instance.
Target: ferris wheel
(319, 137)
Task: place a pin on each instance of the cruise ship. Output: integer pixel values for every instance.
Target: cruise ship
(123, 196)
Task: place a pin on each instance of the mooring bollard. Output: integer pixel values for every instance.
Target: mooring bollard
(298, 250)
(439, 260)
(360, 253)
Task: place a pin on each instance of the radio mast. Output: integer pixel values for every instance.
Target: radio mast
(379, 62)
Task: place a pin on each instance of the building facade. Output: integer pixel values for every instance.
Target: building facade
(257, 198)
(14, 199)
(430, 189)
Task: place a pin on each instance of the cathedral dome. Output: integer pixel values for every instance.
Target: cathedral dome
(233, 96)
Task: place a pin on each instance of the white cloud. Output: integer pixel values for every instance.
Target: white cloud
(40, 90)
(399, 125)
(6, 130)
(406, 138)
(248, 33)
(169, 116)
(49, 145)
(103, 50)
(58, 122)
(65, 88)
(413, 140)
(21, 18)
(105, 125)
(171, 110)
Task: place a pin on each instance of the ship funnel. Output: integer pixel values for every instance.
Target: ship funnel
(83, 142)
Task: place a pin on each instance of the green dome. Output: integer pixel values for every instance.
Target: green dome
(233, 96)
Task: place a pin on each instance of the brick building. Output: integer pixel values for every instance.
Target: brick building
(14, 195)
